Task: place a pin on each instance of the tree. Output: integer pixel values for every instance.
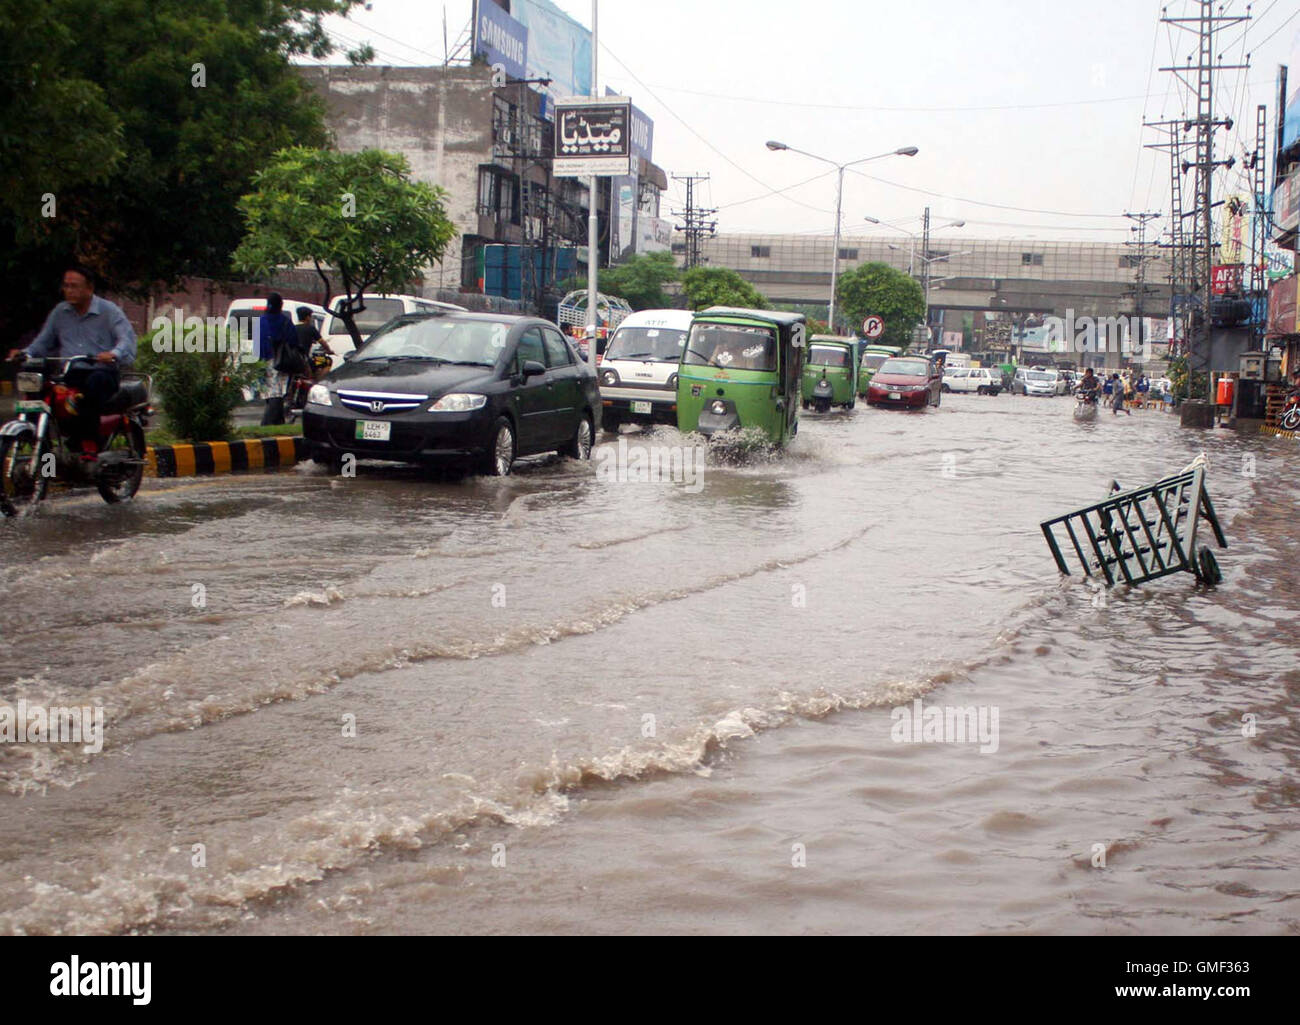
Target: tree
(880, 290)
(145, 120)
(355, 213)
(641, 279)
(718, 286)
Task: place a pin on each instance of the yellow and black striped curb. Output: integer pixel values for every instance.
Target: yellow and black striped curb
(1278, 432)
(208, 458)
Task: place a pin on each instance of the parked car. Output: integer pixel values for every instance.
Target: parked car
(638, 373)
(1036, 382)
(469, 389)
(907, 382)
(380, 309)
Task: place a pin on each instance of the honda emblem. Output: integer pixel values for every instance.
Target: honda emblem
(376, 406)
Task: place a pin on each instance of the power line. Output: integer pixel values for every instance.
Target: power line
(977, 202)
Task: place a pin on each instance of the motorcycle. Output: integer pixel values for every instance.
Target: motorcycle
(1086, 406)
(299, 388)
(34, 448)
(1290, 420)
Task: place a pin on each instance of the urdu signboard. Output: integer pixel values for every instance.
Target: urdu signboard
(593, 137)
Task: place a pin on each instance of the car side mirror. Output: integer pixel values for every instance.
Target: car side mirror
(533, 369)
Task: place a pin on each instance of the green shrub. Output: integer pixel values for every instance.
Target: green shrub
(199, 391)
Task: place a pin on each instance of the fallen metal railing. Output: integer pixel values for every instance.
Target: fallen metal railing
(1144, 533)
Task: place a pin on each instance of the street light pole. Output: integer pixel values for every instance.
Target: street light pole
(593, 223)
(835, 256)
(902, 151)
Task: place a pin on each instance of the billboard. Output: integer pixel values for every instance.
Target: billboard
(1286, 203)
(593, 137)
(501, 39)
(1227, 279)
(559, 48)
(1291, 106)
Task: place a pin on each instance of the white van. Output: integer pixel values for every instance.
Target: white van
(638, 376)
(380, 309)
(242, 315)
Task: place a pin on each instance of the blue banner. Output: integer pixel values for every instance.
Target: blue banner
(501, 39)
(558, 47)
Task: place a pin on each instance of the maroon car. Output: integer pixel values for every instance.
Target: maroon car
(908, 382)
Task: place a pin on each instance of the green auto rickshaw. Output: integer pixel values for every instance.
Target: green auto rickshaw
(872, 357)
(830, 373)
(740, 369)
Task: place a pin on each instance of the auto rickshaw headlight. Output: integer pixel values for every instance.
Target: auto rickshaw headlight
(718, 408)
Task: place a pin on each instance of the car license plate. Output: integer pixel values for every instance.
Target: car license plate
(374, 430)
(895, 395)
(642, 407)
(31, 407)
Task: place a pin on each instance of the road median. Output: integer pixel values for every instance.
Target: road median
(212, 458)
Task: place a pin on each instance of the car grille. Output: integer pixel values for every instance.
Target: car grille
(381, 402)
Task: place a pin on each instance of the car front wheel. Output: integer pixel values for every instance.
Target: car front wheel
(500, 456)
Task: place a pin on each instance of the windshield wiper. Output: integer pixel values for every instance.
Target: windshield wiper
(635, 355)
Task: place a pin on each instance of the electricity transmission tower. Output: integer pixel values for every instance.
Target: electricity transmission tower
(1198, 78)
(697, 226)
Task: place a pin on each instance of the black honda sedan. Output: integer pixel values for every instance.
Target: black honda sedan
(468, 389)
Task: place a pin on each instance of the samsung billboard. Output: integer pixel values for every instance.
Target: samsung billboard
(500, 39)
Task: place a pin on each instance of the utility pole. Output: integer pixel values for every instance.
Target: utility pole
(1140, 227)
(697, 226)
(1180, 263)
(1259, 221)
(593, 222)
(925, 263)
(1199, 78)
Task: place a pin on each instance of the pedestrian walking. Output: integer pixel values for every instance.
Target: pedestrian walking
(277, 339)
(1117, 396)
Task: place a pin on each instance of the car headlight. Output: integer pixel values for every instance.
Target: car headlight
(458, 402)
(29, 382)
(609, 378)
(318, 396)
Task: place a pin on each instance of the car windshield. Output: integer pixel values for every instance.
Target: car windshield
(732, 347)
(377, 313)
(652, 344)
(1040, 376)
(439, 339)
(906, 367)
(828, 356)
(873, 362)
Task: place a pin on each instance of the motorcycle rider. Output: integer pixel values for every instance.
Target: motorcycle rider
(1089, 386)
(86, 325)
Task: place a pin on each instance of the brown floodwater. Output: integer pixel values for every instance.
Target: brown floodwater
(562, 702)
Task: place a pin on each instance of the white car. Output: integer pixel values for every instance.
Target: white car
(638, 373)
(243, 315)
(379, 310)
(979, 380)
(1036, 382)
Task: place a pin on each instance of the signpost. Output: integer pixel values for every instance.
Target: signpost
(873, 327)
(593, 137)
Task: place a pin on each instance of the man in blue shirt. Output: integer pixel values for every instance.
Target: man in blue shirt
(275, 333)
(86, 325)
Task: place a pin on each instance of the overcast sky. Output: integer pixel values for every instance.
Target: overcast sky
(1030, 104)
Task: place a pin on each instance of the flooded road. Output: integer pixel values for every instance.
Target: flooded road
(560, 703)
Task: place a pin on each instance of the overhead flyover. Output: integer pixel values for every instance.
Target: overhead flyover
(1094, 279)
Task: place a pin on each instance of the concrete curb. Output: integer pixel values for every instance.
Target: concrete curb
(211, 458)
